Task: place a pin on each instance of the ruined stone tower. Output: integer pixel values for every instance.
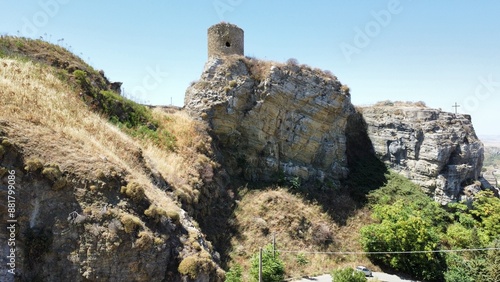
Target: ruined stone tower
(225, 39)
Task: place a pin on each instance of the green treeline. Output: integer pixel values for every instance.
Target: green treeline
(407, 220)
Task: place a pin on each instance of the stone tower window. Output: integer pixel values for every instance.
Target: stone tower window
(225, 39)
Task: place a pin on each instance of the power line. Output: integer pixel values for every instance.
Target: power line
(395, 252)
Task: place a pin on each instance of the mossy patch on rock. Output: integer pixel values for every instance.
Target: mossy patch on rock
(130, 222)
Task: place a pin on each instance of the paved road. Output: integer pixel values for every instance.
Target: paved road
(382, 277)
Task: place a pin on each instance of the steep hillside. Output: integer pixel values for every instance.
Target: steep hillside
(110, 190)
(93, 202)
(105, 186)
(307, 232)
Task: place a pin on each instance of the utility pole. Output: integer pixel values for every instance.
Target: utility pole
(260, 264)
(456, 106)
(274, 245)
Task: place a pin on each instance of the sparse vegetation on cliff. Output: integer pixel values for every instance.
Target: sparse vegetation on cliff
(109, 180)
(72, 140)
(273, 268)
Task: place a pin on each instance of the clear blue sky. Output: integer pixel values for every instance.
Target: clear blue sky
(439, 52)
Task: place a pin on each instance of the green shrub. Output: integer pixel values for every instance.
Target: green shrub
(158, 136)
(403, 228)
(408, 220)
(348, 275)
(83, 81)
(458, 269)
(493, 258)
(273, 268)
(301, 259)
(295, 183)
(485, 211)
(460, 236)
(133, 118)
(235, 274)
(123, 110)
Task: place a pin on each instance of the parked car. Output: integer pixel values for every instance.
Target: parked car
(365, 270)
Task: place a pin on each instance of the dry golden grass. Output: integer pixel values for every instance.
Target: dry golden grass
(38, 105)
(188, 166)
(49, 121)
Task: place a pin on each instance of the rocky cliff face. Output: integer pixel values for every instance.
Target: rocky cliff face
(272, 118)
(438, 150)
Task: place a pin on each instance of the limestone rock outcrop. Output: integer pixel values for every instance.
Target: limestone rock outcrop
(438, 150)
(271, 119)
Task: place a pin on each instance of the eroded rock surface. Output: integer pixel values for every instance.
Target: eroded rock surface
(88, 230)
(438, 150)
(272, 118)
